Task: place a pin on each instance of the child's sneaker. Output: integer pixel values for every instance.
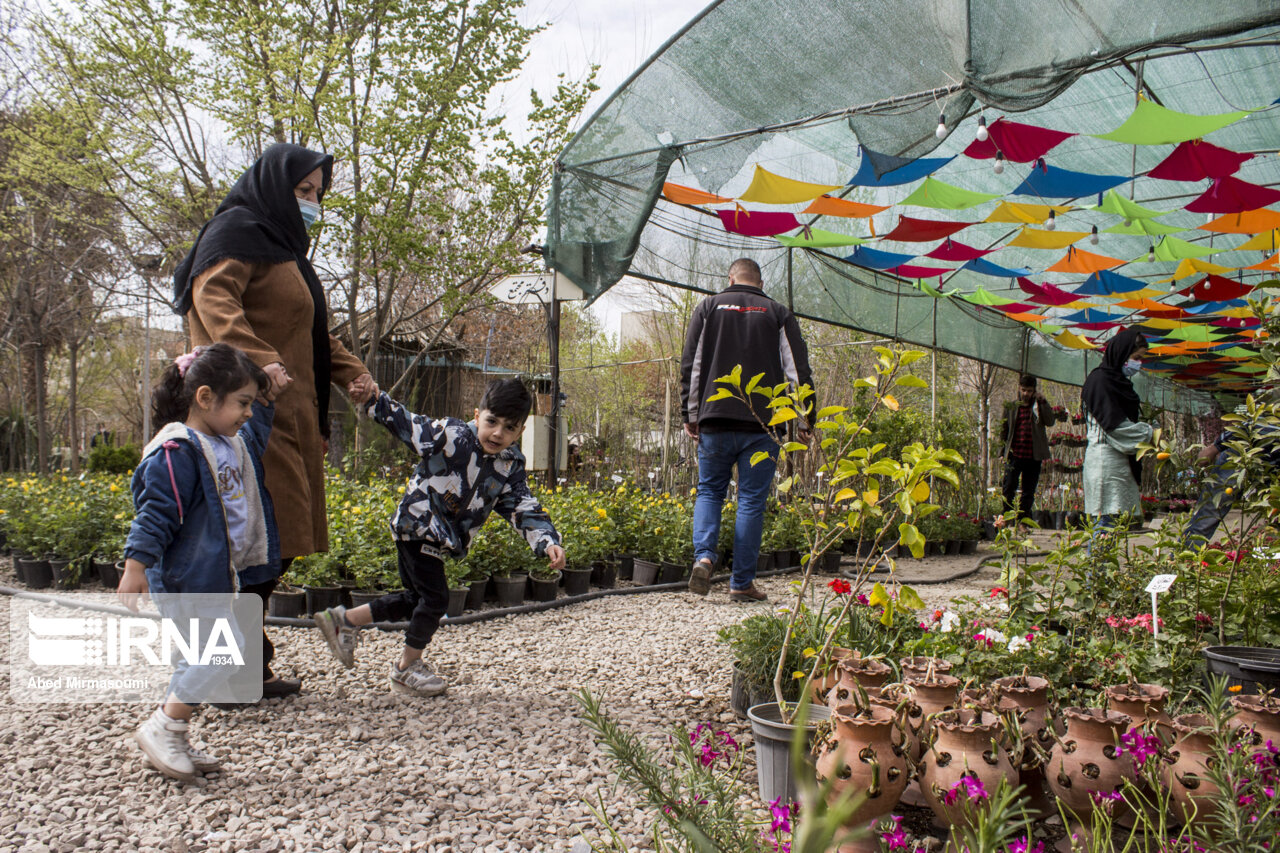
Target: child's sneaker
(342, 638)
(203, 762)
(419, 679)
(163, 740)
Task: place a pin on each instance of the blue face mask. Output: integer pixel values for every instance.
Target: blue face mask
(1131, 367)
(310, 211)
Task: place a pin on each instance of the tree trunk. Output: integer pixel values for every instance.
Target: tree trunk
(72, 418)
(40, 394)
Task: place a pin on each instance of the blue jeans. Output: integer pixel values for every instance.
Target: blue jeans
(718, 452)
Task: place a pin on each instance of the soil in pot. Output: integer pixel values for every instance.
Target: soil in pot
(322, 598)
(645, 572)
(457, 602)
(545, 589)
(287, 602)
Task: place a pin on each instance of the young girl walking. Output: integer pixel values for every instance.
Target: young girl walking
(202, 514)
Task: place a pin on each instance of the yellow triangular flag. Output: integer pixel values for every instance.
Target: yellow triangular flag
(1013, 211)
(768, 188)
(1068, 339)
(1196, 266)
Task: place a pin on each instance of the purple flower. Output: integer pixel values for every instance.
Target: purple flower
(708, 756)
(1139, 745)
(1023, 845)
(1101, 798)
(779, 816)
(968, 786)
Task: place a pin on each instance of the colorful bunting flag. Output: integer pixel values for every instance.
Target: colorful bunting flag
(985, 267)
(1195, 266)
(757, 223)
(1029, 214)
(768, 188)
(1144, 228)
(1019, 143)
(1080, 261)
(690, 196)
(828, 206)
(1249, 222)
(877, 259)
(1173, 249)
(910, 230)
(943, 196)
(1051, 182)
(1196, 160)
(1267, 241)
(913, 171)
(1232, 195)
(1107, 283)
(816, 238)
(954, 250)
(1117, 204)
(1034, 238)
(1152, 124)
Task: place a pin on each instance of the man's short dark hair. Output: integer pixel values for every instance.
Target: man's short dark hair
(746, 270)
(509, 399)
(1027, 381)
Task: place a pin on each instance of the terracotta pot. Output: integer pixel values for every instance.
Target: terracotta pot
(897, 698)
(929, 698)
(823, 683)
(1087, 760)
(1029, 698)
(864, 754)
(1143, 702)
(868, 673)
(1186, 777)
(966, 743)
(918, 667)
(1261, 716)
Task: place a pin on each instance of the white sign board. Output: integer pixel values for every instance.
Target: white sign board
(535, 289)
(1161, 583)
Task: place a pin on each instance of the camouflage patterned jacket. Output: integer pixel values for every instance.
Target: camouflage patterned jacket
(456, 484)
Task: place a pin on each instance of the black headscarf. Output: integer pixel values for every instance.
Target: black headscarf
(1108, 394)
(259, 222)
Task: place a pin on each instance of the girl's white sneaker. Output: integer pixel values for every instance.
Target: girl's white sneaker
(163, 740)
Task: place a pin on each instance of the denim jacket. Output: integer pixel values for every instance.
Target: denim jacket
(456, 484)
(179, 529)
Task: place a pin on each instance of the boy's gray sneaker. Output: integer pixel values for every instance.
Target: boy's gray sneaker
(342, 638)
(700, 577)
(419, 679)
(163, 741)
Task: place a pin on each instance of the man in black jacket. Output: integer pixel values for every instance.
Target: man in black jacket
(738, 326)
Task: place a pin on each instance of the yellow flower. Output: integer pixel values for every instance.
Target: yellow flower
(114, 487)
(602, 513)
(595, 528)
(1235, 688)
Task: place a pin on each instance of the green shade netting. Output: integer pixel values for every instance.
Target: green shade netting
(934, 193)
(1115, 203)
(1173, 249)
(1152, 124)
(805, 86)
(819, 239)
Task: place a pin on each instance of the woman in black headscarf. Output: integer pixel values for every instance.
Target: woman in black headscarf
(1112, 410)
(248, 282)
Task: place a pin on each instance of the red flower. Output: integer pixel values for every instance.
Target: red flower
(840, 586)
(998, 590)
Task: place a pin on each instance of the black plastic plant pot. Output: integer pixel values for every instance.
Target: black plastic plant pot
(287, 602)
(364, 596)
(576, 581)
(109, 572)
(457, 601)
(1246, 667)
(475, 593)
(672, 573)
(39, 574)
(604, 574)
(510, 590)
(626, 564)
(645, 572)
(65, 574)
(545, 589)
(323, 597)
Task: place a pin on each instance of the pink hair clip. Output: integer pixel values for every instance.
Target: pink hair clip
(184, 361)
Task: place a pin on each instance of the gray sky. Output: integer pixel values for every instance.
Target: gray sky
(617, 35)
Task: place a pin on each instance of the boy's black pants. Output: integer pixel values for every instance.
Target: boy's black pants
(425, 597)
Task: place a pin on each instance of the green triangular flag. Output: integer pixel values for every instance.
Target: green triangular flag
(1173, 249)
(1115, 203)
(1144, 228)
(1152, 124)
(982, 296)
(819, 239)
(943, 196)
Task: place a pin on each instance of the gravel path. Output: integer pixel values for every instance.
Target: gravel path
(500, 763)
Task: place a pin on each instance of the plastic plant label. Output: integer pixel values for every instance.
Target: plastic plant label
(1161, 583)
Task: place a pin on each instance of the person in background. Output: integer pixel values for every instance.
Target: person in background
(1026, 444)
(740, 326)
(1112, 411)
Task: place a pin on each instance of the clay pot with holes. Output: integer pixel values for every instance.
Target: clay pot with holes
(864, 753)
(1027, 696)
(929, 697)
(918, 667)
(1087, 761)
(867, 673)
(1187, 778)
(966, 742)
(823, 683)
(1144, 704)
(1259, 713)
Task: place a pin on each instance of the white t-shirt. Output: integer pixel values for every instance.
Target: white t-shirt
(230, 484)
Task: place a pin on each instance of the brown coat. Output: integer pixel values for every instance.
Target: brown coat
(266, 310)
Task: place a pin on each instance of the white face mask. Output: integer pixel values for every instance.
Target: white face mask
(1131, 367)
(310, 212)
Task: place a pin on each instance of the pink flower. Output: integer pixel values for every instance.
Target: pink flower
(779, 816)
(1140, 746)
(1023, 845)
(862, 599)
(1103, 797)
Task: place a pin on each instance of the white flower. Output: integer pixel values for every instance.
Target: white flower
(1017, 644)
(950, 621)
(991, 635)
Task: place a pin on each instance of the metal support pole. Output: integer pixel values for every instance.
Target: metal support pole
(666, 429)
(553, 426)
(791, 296)
(146, 369)
(933, 375)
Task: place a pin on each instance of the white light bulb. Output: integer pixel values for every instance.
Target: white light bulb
(998, 167)
(1093, 238)
(1052, 223)
(982, 133)
(942, 127)
(1151, 253)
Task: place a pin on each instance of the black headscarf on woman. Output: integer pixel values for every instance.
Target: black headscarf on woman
(259, 222)
(1108, 394)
